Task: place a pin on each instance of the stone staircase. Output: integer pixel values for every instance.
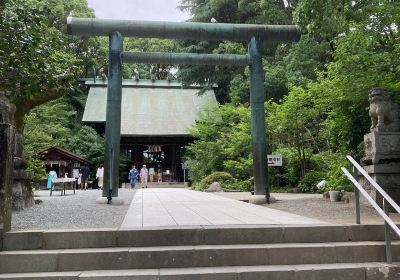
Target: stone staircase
(329, 252)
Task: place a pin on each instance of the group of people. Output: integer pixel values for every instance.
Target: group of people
(84, 173)
(144, 174)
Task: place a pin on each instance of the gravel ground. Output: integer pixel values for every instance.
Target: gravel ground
(72, 211)
(333, 212)
(82, 211)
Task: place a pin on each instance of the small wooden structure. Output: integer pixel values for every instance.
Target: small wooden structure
(62, 161)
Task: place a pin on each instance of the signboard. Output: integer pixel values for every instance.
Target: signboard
(185, 165)
(274, 160)
(75, 173)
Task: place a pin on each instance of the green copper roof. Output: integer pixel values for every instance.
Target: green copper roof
(150, 108)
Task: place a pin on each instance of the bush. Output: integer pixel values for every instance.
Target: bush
(225, 179)
(38, 170)
(338, 181)
(243, 186)
(310, 181)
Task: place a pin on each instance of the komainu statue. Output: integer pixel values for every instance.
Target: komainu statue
(384, 113)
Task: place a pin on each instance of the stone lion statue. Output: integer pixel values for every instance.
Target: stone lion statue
(383, 111)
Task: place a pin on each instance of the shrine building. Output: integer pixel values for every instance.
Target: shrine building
(155, 120)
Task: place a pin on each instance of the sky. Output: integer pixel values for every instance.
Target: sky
(161, 10)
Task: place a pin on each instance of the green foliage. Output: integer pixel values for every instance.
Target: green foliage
(38, 60)
(336, 178)
(55, 123)
(242, 185)
(146, 71)
(290, 174)
(310, 181)
(85, 141)
(223, 143)
(124, 167)
(38, 170)
(229, 79)
(47, 125)
(225, 179)
(296, 123)
(366, 54)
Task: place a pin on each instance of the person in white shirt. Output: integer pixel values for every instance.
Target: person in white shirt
(100, 176)
(144, 172)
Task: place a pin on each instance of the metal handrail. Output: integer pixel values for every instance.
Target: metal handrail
(375, 184)
(383, 213)
(371, 201)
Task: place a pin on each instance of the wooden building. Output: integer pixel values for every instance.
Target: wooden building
(62, 161)
(155, 120)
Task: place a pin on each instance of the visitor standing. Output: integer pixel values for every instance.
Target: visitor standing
(144, 172)
(100, 176)
(151, 173)
(85, 171)
(133, 176)
(159, 173)
(52, 175)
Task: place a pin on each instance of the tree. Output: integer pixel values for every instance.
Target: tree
(223, 143)
(229, 11)
(367, 56)
(38, 61)
(147, 71)
(296, 124)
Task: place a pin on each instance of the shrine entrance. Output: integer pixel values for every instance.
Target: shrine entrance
(251, 33)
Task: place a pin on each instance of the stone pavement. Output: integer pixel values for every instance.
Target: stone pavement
(179, 207)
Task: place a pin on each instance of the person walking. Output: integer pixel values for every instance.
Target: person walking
(144, 172)
(133, 173)
(85, 171)
(100, 176)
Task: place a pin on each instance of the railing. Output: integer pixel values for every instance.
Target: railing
(383, 212)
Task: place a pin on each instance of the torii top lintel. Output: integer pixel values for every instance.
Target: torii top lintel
(183, 30)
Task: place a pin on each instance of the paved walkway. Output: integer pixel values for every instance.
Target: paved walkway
(180, 207)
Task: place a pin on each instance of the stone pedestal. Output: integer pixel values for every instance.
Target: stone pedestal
(387, 176)
(114, 201)
(22, 194)
(381, 147)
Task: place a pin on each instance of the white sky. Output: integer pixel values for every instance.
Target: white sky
(162, 10)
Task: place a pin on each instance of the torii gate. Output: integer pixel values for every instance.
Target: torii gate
(254, 34)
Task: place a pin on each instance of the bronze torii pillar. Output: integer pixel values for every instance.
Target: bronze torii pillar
(251, 33)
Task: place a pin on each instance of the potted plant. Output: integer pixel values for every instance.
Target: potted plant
(337, 183)
(334, 195)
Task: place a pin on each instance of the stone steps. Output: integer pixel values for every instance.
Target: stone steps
(333, 252)
(193, 256)
(176, 236)
(348, 271)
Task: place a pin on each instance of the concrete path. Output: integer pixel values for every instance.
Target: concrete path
(180, 207)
